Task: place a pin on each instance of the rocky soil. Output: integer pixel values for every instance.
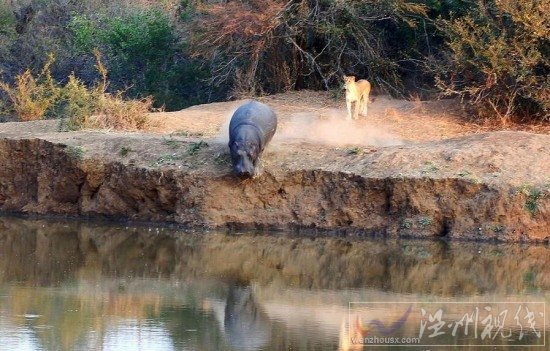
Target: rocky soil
(371, 178)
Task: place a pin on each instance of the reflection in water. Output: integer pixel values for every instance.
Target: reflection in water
(81, 286)
(244, 318)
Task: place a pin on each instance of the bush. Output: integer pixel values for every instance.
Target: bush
(499, 60)
(145, 55)
(265, 46)
(94, 108)
(31, 97)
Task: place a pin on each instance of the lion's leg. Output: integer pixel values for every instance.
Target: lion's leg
(348, 103)
(360, 105)
(365, 103)
(356, 109)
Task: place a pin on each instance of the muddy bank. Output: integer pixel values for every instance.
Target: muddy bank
(483, 187)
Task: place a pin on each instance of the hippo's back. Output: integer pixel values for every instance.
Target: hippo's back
(257, 114)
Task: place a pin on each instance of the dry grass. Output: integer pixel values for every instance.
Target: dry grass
(85, 107)
(31, 97)
(94, 108)
(112, 112)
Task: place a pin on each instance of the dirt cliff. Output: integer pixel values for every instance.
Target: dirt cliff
(485, 186)
(409, 169)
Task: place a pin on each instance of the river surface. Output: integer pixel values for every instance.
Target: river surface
(70, 285)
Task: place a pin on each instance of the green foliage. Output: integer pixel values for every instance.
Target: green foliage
(354, 150)
(429, 167)
(144, 53)
(171, 143)
(492, 54)
(76, 152)
(425, 221)
(533, 195)
(84, 32)
(140, 38)
(124, 151)
(7, 19)
(194, 148)
(499, 59)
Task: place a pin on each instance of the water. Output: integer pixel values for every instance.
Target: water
(80, 286)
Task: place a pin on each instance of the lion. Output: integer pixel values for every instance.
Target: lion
(356, 92)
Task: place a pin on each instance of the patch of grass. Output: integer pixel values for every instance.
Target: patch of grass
(186, 133)
(124, 151)
(406, 224)
(496, 228)
(464, 173)
(194, 148)
(533, 195)
(474, 180)
(222, 159)
(75, 152)
(164, 159)
(429, 167)
(354, 150)
(529, 279)
(171, 143)
(425, 221)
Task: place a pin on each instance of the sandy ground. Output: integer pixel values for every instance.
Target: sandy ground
(405, 120)
(319, 117)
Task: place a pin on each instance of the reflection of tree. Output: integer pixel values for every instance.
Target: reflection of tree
(46, 257)
(46, 253)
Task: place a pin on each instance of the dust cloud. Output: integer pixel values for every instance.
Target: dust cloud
(333, 130)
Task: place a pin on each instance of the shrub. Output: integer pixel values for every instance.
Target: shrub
(499, 59)
(7, 19)
(145, 55)
(94, 108)
(31, 97)
(268, 46)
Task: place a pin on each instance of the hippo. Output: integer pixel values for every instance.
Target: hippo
(250, 130)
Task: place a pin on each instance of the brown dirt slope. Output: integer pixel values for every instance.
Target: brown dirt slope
(423, 174)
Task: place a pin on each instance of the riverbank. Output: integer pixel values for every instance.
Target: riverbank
(481, 186)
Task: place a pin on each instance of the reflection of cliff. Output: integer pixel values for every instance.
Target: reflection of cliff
(42, 252)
